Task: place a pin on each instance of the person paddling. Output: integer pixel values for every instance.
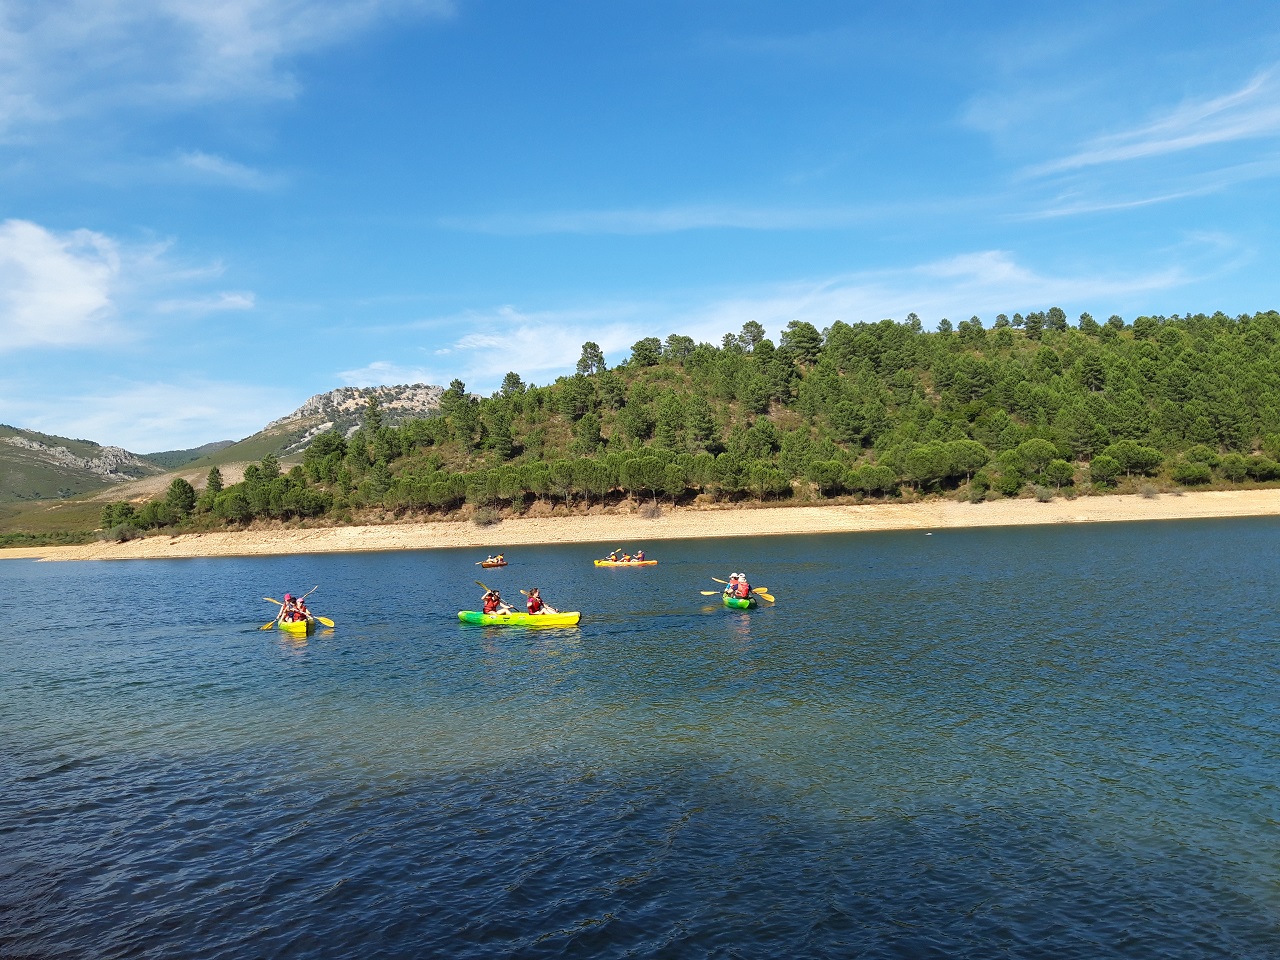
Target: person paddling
(288, 610)
(743, 591)
(300, 611)
(536, 604)
(492, 601)
(731, 588)
(639, 556)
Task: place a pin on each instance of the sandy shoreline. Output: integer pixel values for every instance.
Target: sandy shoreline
(674, 525)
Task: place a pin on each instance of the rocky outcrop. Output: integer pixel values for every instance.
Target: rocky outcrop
(112, 463)
(343, 410)
(348, 403)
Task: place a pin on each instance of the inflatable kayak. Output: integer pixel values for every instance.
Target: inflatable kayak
(737, 604)
(626, 563)
(297, 627)
(493, 563)
(520, 619)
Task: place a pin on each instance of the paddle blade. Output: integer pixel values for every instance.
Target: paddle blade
(525, 592)
(267, 626)
(486, 589)
(273, 600)
(709, 593)
(760, 590)
(718, 580)
(766, 596)
(326, 621)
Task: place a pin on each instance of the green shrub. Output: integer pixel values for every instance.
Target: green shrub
(486, 517)
(1189, 473)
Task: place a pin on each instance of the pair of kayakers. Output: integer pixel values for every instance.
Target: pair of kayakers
(492, 602)
(293, 609)
(737, 587)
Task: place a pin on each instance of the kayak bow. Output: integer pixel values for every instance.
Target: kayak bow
(737, 604)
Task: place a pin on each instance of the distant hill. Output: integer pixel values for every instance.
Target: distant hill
(173, 459)
(38, 466)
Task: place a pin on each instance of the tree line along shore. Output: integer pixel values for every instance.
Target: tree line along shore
(1032, 406)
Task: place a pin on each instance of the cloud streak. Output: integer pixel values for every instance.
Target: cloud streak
(69, 59)
(659, 220)
(150, 416)
(1251, 112)
(212, 168)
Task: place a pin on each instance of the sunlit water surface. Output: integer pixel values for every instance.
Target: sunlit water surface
(1050, 742)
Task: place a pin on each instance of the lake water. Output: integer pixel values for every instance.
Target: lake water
(1043, 742)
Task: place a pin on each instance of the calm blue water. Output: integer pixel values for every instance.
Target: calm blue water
(1057, 742)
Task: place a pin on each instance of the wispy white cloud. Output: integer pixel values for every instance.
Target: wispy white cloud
(66, 59)
(382, 373)
(220, 170)
(217, 303)
(674, 219)
(1251, 112)
(147, 417)
(985, 283)
(540, 345)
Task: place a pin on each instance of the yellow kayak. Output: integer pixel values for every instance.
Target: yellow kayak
(626, 563)
(298, 627)
(520, 619)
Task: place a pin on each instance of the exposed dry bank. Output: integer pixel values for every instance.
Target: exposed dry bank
(675, 524)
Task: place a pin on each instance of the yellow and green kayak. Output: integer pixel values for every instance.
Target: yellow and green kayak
(737, 604)
(520, 619)
(626, 563)
(297, 627)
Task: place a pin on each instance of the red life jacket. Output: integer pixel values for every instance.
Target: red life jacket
(744, 590)
(535, 604)
(490, 604)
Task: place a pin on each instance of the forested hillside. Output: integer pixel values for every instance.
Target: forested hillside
(1030, 406)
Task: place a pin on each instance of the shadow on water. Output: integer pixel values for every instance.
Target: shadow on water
(241, 856)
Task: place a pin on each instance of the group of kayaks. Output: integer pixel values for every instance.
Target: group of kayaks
(570, 618)
(573, 617)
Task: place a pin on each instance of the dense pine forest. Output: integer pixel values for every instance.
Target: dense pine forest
(1031, 406)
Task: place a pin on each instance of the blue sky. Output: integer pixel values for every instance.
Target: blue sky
(210, 212)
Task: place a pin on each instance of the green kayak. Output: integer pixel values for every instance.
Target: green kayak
(520, 619)
(737, 604)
